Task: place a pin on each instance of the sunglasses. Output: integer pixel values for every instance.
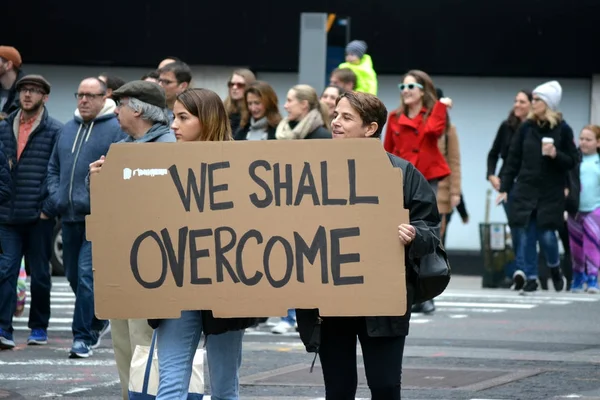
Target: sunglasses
(409, 86)
(233, 84)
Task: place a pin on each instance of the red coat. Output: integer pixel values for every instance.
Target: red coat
(416, 140)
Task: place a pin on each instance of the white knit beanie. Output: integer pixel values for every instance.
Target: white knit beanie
(550, 93)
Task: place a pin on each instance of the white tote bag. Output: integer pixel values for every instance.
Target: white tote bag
(143, 374)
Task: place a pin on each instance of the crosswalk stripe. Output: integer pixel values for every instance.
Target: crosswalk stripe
(575, 297)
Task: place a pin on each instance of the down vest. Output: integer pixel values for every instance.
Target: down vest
(29, 190)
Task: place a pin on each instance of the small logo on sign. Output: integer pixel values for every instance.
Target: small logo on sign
(128, 173)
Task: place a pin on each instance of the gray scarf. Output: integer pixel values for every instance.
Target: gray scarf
(258, 129)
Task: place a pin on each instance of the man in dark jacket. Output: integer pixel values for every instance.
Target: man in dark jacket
(10, 73)
(142, 114)
(362, 115)
(27, 220)
(5, 177)
(84, 139)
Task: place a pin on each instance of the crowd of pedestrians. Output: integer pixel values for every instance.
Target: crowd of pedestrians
(546, 185)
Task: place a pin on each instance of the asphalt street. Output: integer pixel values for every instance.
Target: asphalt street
(478, 345)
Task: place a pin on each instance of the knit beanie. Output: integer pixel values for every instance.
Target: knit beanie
(356, 47)
(550, 93)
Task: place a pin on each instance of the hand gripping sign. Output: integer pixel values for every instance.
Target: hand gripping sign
(247, 229)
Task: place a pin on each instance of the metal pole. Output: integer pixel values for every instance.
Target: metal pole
(313, 50)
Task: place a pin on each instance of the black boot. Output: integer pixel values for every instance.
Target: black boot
(557, 278)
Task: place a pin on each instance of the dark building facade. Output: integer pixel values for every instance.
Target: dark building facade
(443, 37)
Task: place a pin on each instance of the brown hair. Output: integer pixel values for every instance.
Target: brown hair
(346, 75)
(430, 96)
(207, 106)
(236, 106)
(308, 93)
(369, 107)
(593, 128)
(267, 95)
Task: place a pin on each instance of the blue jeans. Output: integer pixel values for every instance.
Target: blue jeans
(77, 259)
(34, 242)
(528, 255)
(291, 317)
(177, 343)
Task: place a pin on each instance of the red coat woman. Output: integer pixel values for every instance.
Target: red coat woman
(413, 129)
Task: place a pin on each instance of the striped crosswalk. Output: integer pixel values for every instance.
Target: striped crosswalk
(451, 304)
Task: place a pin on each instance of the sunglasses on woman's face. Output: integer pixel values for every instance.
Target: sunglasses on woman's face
(409, 86)
(236, 84)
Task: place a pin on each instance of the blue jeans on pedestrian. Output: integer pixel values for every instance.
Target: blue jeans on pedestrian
(290, 318)
(178, 340)
(528, 254)
(77, 259)
(518, 263)
(34, 242)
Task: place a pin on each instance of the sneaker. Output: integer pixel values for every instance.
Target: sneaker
(37, 337)
(557, 278)
(7, 341)
(592, 284)
(579, 278)
(80, 350)
(519, 279)
(100, 334)
(530, 287)
(428, 307)
(281, 328)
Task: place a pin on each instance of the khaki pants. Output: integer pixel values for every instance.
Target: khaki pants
(126, 334)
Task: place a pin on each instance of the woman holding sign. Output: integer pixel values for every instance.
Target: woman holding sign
(362, 115)
(178, 338)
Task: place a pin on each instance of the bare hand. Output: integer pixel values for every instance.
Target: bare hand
(502, 197)
(454, 200)
(447, 101)
(495, 181)
(567, 192)
(96, 166)
(406, 233)
(548, 149)
(44, 216)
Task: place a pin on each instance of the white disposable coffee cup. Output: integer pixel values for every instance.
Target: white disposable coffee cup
(547, 140)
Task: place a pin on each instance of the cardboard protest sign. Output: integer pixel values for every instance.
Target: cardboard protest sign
(247, 229)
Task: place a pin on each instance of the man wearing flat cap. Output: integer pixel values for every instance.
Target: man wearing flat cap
(27, 220)
(10, 73)
(142, 113)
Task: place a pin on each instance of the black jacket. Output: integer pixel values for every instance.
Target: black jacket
(5, 176)
(541, 180)
(420, 200)
(499, 149)
(242, 132)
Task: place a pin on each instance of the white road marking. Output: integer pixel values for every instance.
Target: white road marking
(65, 362)
(77, 390)
(484, 305)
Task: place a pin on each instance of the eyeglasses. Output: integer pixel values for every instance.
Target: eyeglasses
(31, 90)
(409, 86)
(236, 84)
(91, 96)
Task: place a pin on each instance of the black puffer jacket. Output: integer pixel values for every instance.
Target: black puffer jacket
(541, 180)
(420, 200)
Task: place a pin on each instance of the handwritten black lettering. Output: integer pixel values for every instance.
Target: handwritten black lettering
(307, 186)
(354, 199)
(212, 188)
(318, 245)
(133, 260)
(220, 250)
(289, 254)
(266, 202)
(176, 261)
(337, 259)
(279, 184)
(325, 188)
(239, 263)
(185, 196)
(196, 253)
